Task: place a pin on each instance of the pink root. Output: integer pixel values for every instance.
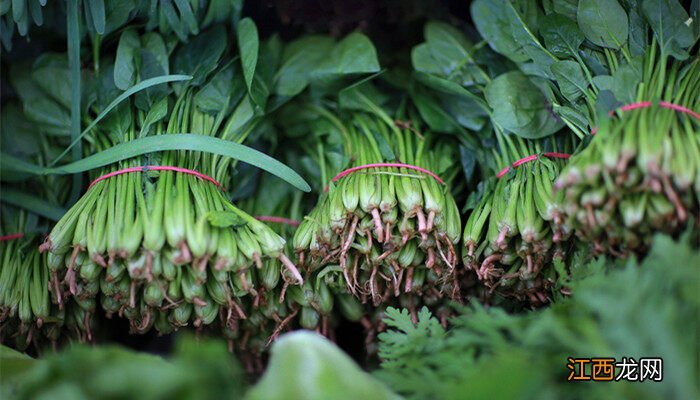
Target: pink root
(291, 267)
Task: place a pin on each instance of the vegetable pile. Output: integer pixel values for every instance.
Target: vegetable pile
(154, 163)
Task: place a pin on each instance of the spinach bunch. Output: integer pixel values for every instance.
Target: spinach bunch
(503, 117)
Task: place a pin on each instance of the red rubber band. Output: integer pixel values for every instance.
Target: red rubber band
(11, 237)
(384, 165)
(530, 158)
(156, 168)
(647, 104)
(278, 220)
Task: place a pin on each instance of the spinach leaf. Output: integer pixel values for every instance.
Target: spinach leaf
(571, 80)
(299, 58)
(125, 64)
(670, 23)
(354, 54)
(520, 107)
(561, 35)
(603, 22)
(200, 56)
(248, 46)
(493, 24)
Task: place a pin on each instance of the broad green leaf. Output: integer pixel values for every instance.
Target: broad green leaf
(492, 22)
(32, 203)
(155, 114)
(97, 12)
(125, 64)
(150, 144)
(561, 35)
(224, 219)
(354, 54)
(200, 56)
(448, 87)
(638, 40)
(603, 22)
(248, 46)
(299, 58)
(215, 96)
(305, 365)
(671, 25)
(14, 364)
(117, 14)
(154, 44)
(570, 78)
(520, 107)
(625, 81)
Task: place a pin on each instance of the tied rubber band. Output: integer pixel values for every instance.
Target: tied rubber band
(385, 165)
(277, 220)
(647, 104)
(156, 168)
(530, 158)
(11, 237)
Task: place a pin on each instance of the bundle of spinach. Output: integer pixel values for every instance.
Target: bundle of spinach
(514, 230)
(167, 249)
(598, 58)
(27, 314)
(633, 310)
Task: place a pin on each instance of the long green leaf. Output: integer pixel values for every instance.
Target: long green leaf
(74, 63)
(133, 90)
(32, 203)
(248, 44)
(150, 144)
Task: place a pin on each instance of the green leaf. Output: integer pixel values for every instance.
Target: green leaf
(671, 25)
(603, 22)
(97, 12)
(572, 82)
(215, 96)
(14, 364)
(127, 59)
(150, 144)
(248, 46)
(153, 43)
(625, 82)
(32, 203)
(520, 107)
(299, 58)
(493, 23)
(355, 54)
(155, 114)
(224, 219)
(201, 55)
(305, 365)
(561, 35)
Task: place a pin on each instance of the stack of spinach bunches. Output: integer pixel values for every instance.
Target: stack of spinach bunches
(28, 316)
(513, 232)
(637, 177)
(168, 249)
(378, 236)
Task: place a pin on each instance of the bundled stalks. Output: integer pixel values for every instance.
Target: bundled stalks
(515, 231)
(389, 221)
(640, 173)
(164, 246)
